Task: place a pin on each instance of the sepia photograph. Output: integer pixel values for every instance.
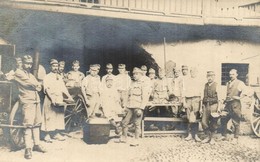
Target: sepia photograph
(130, 80)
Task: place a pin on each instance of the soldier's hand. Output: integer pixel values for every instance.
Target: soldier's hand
(38, 87)
(138, 112)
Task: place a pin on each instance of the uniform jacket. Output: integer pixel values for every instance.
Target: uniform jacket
(91, 85)
(137, 95)
(28, 86)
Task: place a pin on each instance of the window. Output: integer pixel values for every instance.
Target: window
(242, 70)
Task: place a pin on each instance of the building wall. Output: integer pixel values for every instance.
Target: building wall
(208, 55)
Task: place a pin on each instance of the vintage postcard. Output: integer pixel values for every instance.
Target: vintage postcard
(129, 80)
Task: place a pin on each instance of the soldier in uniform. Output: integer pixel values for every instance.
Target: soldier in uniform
(110, 102)
(61, 70)
(161, 89)
(177, 90)
(136, 102)
(109, 69)
(30, 102)
(235, 88)
(146, 79)
(91, 86)
(74, 77)
(53, 106)
(123, 82)
(192, 94)
(210, 105)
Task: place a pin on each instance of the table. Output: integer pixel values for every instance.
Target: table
(162, 119)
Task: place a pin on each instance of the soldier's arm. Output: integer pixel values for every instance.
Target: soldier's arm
(145, 96)
(25, 81)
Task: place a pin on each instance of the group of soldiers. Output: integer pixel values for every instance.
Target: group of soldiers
(115, 94)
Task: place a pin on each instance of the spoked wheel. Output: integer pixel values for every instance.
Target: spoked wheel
(255, 120)
(75, 114)
(16, 134)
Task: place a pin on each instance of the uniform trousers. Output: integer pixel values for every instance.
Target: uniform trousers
(234, 112)
(31, 117)
(209, 123)
(132, 116)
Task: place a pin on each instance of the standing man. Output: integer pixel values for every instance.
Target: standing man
(30, 102)
(146, 79)
(210, 105)
(91, 90)
(74, 77)
(136, 102)
(192, 94)
(235, 88)
(109, 69)
(123, 83)
(161, 89)
(177, 90)
(53, 106)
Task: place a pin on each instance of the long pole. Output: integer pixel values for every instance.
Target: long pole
(164, 49)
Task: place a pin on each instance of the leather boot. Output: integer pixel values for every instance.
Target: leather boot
(28, 153)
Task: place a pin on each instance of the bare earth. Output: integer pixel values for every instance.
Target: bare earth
(154, 148)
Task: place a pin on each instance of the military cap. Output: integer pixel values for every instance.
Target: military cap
(176, 69)
(54, 61)
(109, 66)
(151, 71)
(137, 70)
(27, 59)
(109, 78)
(184, 67)
(18, 59)
(193, 69)
(75, 62)
(210, 73)
(62, 63)
(93, 67)
(98, 66)
(143, 68)
(121, 66)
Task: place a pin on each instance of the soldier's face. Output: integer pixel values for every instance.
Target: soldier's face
(210, 78)
(161, 74)
(19, 65)
(177, 74)
(61, 68)
(93, 72)
(54, 68)
(193, 73)
(232, 75)
(137, 76)
(109, 83)
(151, 75)
(121, 71)
(27, 66)
(184, 72)
(76, 67)
(144, 72)
(109, 71)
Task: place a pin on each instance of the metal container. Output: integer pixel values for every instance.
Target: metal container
(96, 131)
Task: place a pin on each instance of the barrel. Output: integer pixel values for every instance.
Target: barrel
(96, 131)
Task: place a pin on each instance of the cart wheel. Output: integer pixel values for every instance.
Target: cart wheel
(75, 115)
(16, 134)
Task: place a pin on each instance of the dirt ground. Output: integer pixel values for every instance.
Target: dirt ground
(153, 148)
